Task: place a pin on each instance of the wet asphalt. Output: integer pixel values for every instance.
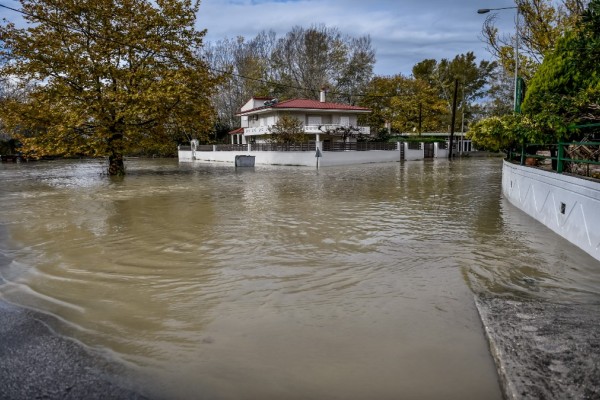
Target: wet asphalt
(36, 363)
(544, 350)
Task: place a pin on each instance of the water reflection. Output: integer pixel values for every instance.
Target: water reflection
(280, 282)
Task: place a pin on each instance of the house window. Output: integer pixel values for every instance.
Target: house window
(344, 120)
(314, 120)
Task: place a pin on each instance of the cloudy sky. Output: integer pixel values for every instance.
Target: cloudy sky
(403, 32)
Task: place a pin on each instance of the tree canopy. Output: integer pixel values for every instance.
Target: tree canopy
(405, 104)
(287, 129)
(105, 77)
(566, 87)
(423, 101)
(564, 92)
(541, 24)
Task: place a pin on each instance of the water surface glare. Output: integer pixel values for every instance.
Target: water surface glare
(281, 282)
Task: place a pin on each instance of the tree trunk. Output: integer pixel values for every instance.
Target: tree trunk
(116, 166)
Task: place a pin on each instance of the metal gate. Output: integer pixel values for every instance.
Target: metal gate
(428, 150)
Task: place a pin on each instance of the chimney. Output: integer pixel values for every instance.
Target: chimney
(322, 94)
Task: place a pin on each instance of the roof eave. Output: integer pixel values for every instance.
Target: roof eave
(334, 110)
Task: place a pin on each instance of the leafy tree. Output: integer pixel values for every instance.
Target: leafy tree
(502, 133)
(405, 103)
(287, 129)
(108, 76)
(473, 80)
(565, 90)
(472, 77)
(566, 87)
(541, 24)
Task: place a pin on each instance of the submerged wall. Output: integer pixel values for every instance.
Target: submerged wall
(301, 158)
(568, 205)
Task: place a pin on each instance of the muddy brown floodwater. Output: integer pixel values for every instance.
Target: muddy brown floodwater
(281, 282)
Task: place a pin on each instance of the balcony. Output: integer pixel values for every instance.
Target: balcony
(257, 130)
(314, 129)
(309, 129)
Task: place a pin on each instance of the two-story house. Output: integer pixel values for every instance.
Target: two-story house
(328, 122)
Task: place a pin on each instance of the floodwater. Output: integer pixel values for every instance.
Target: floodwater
(281, 282)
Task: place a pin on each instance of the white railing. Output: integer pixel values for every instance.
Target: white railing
(258, 130)
(311, 129)
(365, 130)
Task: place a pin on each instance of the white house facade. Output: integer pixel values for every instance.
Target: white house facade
(327, 122)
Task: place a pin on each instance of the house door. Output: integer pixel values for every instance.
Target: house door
(428, 150)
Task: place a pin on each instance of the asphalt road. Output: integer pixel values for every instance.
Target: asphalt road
(36, 363)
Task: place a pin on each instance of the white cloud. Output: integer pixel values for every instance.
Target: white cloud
(403, 32)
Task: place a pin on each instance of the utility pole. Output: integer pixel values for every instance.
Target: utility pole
(420, 116)
(453, 118)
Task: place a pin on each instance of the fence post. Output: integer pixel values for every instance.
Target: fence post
(523, 153)
(559, 161)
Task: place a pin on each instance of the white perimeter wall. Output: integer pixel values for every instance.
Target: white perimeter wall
(301, 158)
(542, 193)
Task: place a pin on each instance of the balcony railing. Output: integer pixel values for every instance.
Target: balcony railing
(358, 146)
(363, 130)
(310, 146)
(310, 129)
(258, 130)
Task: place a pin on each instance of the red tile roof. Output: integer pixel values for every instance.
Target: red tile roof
(307, 104)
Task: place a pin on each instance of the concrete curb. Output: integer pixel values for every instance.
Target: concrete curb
(544, 350)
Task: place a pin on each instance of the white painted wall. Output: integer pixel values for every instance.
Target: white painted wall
(413, 155)
(541, 194)
(301, 158)
(439, 153)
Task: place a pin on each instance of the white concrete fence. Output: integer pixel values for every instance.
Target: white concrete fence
(566, 204)
(226, 153)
